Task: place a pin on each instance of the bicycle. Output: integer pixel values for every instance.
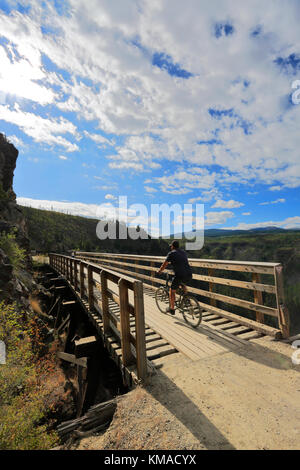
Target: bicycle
(186, 303)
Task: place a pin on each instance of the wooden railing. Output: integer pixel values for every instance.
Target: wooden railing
(205, 271)
(87, 280)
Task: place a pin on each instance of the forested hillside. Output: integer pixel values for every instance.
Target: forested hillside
(56, 232)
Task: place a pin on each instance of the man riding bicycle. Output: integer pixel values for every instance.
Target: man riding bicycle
(183, 272)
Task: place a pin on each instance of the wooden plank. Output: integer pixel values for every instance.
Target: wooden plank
(211, 287)
(140, 330)
(124, 323)
(81, 274)
(233, 283)
(71, 358)
(85, 346)
(258, 298)
(69, 302)
(283, 318)
(184, 340)
(234, 301)
(90, 288)
(268, 330)
(104, 303)
(245, 266)
(64, 323)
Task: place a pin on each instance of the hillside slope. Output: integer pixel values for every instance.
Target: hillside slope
(51, 231)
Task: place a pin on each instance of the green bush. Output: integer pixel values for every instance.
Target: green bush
(22, 397)
(12, 250)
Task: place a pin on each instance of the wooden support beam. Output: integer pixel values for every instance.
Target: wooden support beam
(140, 330)
(258, 297)
(69, 302)
(81, 273)
(104, 303)
(85, 346)
(90, 288)
(82, 361)
(283, 318)
(63, 324)
(211, 287)
(124, 323)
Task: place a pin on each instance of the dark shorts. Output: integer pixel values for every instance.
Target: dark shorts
(177, 281)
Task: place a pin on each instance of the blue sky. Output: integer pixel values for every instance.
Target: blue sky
(163, 105)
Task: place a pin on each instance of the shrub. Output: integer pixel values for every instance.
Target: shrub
(9, 245)
(22, 397)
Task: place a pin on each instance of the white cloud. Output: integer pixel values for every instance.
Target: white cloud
(288, 223)
(110, 197)
(278, 201)
(227, 204)
(275, 188)
(107, 49)
(62, 157)
(246, 213)
(74, 208)
(41, 129)
(217, 218)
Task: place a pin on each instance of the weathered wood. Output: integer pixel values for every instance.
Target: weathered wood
(258, 298)
(267, 330)
(63, 324)
(71, 358)
(234, 283)
(104, 303)
(283, 319)
(124, 323)
(211, 287)
(81, 273)
(140, 330)
(90, 288)
(85, 346)
(75, 275)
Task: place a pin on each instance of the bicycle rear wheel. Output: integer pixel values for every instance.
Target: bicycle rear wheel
(191, 310)
(162, 299)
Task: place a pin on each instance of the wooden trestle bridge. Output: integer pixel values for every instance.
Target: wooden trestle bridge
(117, 292)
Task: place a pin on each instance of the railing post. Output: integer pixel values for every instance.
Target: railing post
(82, 288)
(75, 275)
(152, 264)
(211, 272)
(140, 330)
(104, 301)
(283, 314)
(258, 297)
(125, 324)
(90, 287)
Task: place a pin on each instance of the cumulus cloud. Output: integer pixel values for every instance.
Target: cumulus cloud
(218, 218)
(227, 204)
(205, 87)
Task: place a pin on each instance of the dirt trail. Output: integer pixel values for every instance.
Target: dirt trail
(246, 399)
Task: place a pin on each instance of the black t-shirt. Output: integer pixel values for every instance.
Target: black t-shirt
(178, 259)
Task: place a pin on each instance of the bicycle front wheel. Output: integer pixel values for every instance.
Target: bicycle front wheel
(191, 310)
(162, 299)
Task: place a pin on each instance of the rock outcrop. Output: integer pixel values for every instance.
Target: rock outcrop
(11, 219)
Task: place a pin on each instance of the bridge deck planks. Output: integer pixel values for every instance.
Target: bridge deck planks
(194, 343)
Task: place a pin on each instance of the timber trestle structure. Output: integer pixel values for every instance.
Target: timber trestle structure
(103, 281)
(89, 283)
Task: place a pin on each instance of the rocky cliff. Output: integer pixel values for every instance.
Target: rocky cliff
(11, 220)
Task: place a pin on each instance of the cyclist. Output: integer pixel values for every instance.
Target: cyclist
(183, 272)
